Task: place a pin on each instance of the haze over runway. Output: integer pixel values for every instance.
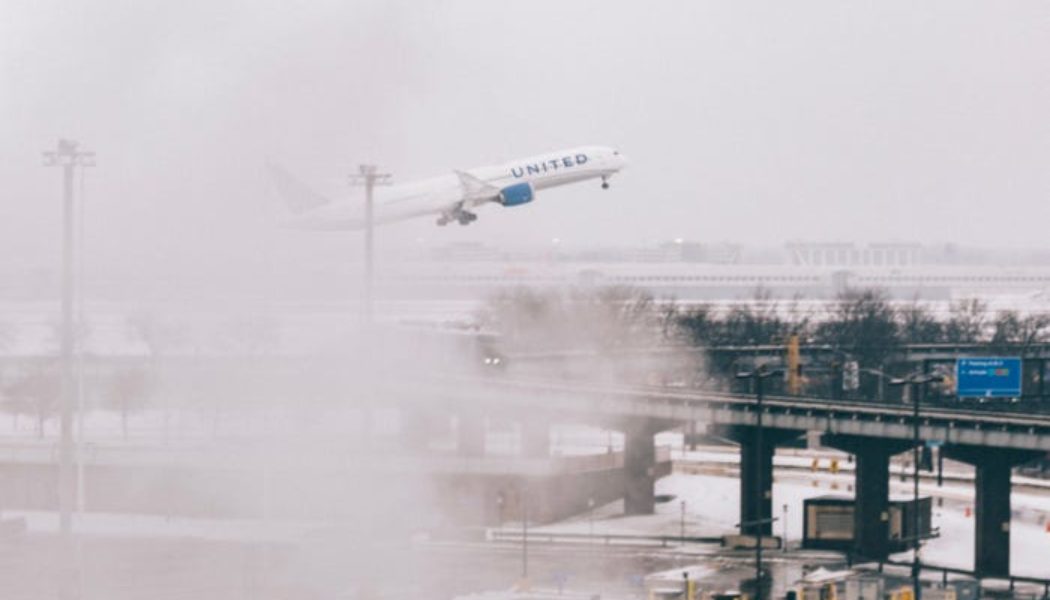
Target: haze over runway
(755, 123)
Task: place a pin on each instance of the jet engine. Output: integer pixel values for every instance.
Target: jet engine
(519, 193)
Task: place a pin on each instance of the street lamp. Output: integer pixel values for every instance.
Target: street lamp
(590, 517)
(915, 383)
(370, 177)
(69, 156)
(523, 496)
(785, 523)
(681, 525)
(758, 376)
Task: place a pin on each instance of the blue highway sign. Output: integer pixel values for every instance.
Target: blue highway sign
(991, 377)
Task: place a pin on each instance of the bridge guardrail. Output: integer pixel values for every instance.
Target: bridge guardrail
(689, 395)
(945, 571)
(605, 539)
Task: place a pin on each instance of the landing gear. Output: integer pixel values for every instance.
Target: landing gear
(463, 217)
(605, 183)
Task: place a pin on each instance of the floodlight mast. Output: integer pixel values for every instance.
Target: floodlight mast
(369, 176)
(67, 155)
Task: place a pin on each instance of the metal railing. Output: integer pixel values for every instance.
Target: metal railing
(605, 539)
(946, 571)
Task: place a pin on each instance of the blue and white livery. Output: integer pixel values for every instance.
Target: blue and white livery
(451, 197)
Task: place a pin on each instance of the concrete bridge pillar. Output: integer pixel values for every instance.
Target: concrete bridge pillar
(639, 466)
(756, 486)
(470, 435)
(992, 503)
(872, 490)
(756, 473)
(535, 438)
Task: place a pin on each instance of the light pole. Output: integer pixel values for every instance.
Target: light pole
(590, 527)
(758, 376)
(785, 527)
(590, 517)
(499, 508)
(681, 525)
(370, 177)
(915, 384)
(68, 156)
(524, 497)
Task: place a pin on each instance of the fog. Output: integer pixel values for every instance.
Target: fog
(747, 123)
(248, 432)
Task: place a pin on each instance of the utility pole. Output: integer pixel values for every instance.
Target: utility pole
(68, 156)
(915, 384)
(369, 176)
(758, 377)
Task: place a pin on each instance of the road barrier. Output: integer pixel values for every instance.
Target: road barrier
(605, 539)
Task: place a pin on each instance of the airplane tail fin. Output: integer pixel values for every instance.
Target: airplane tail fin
(299, 197)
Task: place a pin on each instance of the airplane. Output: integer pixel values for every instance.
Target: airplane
(451, 197)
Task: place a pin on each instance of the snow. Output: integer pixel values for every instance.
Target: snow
(712, 509)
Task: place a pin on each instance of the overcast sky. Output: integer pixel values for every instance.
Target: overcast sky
(758, 122)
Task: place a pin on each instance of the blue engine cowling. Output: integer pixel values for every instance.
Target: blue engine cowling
(519, 193)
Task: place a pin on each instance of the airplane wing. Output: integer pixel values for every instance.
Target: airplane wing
(476, 191)
(449, 201)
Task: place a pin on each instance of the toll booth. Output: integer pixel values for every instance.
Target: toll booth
(828, 522)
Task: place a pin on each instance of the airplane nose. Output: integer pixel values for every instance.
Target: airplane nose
(620, 160)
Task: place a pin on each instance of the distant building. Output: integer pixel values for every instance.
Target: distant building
(849, 255)
(466, 252)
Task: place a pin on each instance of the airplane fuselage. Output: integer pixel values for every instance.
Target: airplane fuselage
(451, 196)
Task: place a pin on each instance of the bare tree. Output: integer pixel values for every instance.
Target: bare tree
(967, 322)
(756, 322)
(1018, 333)
(700, 325)
(158, 337)
(604, 326)
(761, 321)
(129, 390)
(594, 319)
(918, 325)
(37, 391)
(863, 322)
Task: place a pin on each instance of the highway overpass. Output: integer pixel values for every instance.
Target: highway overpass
(992, 442)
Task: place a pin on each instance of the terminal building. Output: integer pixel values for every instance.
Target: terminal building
(699, 272)
(695, 282)
(846, 255)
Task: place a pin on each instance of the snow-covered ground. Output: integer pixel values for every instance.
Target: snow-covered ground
(712, 508)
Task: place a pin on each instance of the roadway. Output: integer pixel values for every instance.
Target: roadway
(603, 402)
